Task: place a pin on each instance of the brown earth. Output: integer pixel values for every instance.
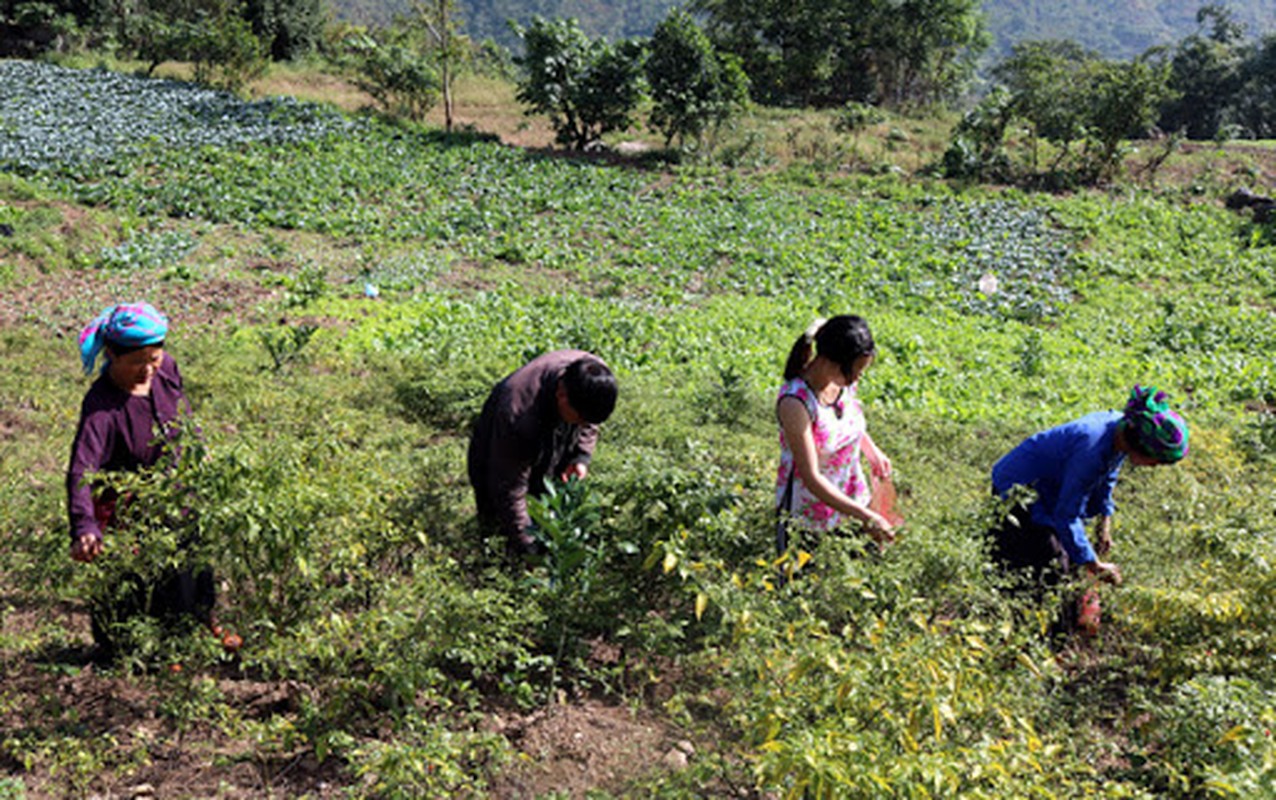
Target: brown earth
(568, 749)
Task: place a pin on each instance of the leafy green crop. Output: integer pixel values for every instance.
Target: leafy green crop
(54, 117)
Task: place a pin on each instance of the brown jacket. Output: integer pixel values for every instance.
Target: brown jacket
(519, 440)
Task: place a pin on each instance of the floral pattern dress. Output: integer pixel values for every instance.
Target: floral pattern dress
(839, 430)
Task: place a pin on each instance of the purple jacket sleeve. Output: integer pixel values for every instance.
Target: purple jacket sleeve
(93, 442)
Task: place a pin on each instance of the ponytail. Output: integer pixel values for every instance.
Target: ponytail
(801, 352)
(841, 339)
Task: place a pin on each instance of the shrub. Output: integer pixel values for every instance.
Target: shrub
(401, 80)
(855, 116)
(588, 88)
(1213, 736)
(694, 89)
(977, 150)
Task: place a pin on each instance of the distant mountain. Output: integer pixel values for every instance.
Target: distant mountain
(487, 19)
(1115, 28)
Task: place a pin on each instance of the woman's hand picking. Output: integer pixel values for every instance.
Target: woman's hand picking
(87, 547)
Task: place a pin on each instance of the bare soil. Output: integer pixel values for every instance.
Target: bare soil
(567, 749)
(580, 747)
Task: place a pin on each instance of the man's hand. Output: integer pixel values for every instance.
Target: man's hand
(577, 471)
(1105, 571)
(87, 547)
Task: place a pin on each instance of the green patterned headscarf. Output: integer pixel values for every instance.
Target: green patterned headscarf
(1152, 428)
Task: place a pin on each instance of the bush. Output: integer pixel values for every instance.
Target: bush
(401, 80)
(218, 42)
(1213, 736)
(694, 89)
(855, 116)
(977, 150)
(588, 88)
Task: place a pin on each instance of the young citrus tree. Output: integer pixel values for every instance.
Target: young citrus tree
(588, 87)
(694, 88)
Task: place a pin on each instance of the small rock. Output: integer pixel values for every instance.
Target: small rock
(141, 790)
(675, 759)
(686, 746)
(495, 723)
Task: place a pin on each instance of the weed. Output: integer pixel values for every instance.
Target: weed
(285, 344)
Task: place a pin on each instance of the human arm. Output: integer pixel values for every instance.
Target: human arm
(1100, 505)
(1076, 494)
(1103, 535)
(88, 453)
(1105, 571)
(1073, 538)
(877, 460)
(86, 547)
(796, 423)
(582, 452)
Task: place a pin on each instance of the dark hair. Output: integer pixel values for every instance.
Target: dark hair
(117, 350)
(591, 389)
(841, 339)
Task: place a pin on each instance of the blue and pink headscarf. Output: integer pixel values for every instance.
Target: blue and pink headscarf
(1152, 427)
(128, 325)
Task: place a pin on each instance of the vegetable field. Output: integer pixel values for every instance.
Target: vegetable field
(344, 292)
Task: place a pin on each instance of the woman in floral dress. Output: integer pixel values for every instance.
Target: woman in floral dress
(821, 485)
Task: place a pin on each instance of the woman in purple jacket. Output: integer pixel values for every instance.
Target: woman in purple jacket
(128, 412)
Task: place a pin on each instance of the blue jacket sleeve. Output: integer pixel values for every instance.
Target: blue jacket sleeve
(1068, 519)
(1100, 503)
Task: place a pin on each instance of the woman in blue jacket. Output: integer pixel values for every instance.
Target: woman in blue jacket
(1072, 470)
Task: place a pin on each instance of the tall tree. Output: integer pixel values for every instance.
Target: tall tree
(1205, 75)
(288, 28)
(1121, 101)
(1045, 86)
(1255, 109)
(1067, 96)
(923, 50)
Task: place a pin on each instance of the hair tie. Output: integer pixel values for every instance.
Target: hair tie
(812, 329)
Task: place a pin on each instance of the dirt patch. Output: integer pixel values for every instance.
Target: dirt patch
(62, 303)
(120, 742)
(588, 746)
(13, 423)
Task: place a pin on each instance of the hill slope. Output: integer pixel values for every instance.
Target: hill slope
(488, 19)
(1113, 27)
(1116, 28)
